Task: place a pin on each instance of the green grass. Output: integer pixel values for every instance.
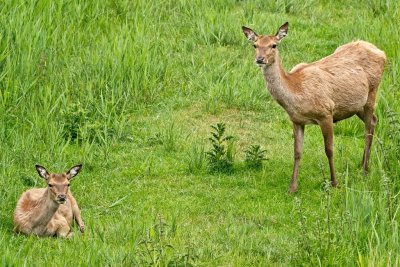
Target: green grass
(130, 89)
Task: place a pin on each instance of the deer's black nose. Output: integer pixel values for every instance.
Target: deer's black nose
(260, 60)
(62, 197)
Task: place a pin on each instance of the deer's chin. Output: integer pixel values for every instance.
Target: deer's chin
(263, 64)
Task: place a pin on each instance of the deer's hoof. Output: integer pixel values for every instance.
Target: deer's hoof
(292, 189)
(82, 228)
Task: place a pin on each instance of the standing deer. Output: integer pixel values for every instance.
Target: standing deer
(323, 92)
(49, 211)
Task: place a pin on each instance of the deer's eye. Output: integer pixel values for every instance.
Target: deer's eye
(68, 185)
(274, 46)
(254, 46)
(50, 185)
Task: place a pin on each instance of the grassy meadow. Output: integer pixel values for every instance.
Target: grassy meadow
(130, 89)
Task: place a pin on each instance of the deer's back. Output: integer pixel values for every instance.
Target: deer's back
(339, 83)
(346, 63)
(360, 54)
(28, 207)
(29, 202)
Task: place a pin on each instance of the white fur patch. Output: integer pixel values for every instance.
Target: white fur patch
(43, 172)
(251, 36)
(74, 171)
(281, 34)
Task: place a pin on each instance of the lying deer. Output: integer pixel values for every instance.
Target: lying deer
(49, 211)
(323, 92)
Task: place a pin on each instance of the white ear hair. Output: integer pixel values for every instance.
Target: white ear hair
(74, 171)
(250, 34)
(42, 171)
(283, 30)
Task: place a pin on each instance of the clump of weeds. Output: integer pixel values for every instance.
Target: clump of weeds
(221, 155)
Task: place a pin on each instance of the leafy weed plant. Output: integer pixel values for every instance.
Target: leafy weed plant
(254, 156)
(83, 124)
(156, 249)
(220, 156)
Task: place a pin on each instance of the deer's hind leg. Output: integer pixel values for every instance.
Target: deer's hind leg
(59, 227)
(370, 120)
(63, 228)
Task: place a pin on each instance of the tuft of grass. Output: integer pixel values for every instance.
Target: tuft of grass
(196, 158)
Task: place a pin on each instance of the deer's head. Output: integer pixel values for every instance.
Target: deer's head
(266, 45)
(58, 183)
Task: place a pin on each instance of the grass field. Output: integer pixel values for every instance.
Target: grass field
(130, 89)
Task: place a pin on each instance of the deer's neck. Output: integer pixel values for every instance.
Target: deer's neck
(277, 83)
(45, 209)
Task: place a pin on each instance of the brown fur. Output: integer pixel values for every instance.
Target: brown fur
(40, 211)
(334, 88)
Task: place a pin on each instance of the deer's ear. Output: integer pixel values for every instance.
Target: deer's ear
(42, 172)
(250, 34)
(282, 32)
(74, 171)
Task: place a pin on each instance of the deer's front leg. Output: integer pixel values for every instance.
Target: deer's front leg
(77, 214)
(298, 132)
(326, 125)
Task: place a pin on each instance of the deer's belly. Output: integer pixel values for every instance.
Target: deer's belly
(344, 113)
(301, 119)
